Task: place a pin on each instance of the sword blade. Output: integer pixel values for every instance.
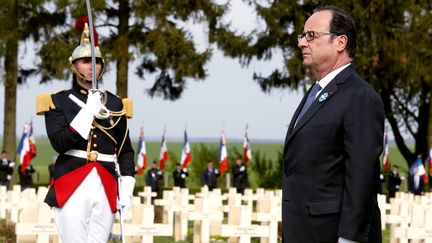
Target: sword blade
(92, 45)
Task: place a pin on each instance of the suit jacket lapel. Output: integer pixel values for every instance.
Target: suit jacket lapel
(297, 112)
(319, 102)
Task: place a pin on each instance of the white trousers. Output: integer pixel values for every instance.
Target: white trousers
(86, 216)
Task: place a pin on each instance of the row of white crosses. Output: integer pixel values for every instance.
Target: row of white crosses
(33, 219)
(12, 202)
(208, 212)
(409, 217)
(249, 215)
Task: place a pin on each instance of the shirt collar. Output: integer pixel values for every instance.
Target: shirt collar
(329, 77)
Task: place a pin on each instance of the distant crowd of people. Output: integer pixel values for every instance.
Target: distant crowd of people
(153, 178)
(208, 178)
(415, 182)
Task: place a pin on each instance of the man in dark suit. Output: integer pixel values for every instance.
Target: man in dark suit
(331, 155)
(25, 176)
(209, 176)
(153, 177)
(415, 182)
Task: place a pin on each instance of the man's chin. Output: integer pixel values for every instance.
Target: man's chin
(306, 63)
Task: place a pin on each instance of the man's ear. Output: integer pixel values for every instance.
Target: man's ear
(342, 42)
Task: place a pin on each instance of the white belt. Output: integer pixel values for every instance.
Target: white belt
(91, 156)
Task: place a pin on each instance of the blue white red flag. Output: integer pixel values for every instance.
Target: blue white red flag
(185, 155)
(142, 153)
(247, 151)
(421, 169)
(430, 161)
(223, 154)
(385, 153)
(27, 146)
(163, 154)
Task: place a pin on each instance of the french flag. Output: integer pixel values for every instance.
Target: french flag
(223, 154)
(430, 160)
(27, 146)
(185, 155)
(163, 154)
(247, 151)
(385, 154)
(142, 153)
(421, 169)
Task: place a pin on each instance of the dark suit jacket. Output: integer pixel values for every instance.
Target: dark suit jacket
(394, 182)
(240, 178)
(180, 178)
(411, 187)
(209, 178)
(331, 165)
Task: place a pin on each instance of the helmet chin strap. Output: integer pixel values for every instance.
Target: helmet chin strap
(80, 76)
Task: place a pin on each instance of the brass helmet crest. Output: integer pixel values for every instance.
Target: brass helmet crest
(84, 48)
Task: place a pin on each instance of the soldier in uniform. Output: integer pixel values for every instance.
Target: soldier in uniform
(240, 176)
(6, 169)
(394, 181)
(153, 177)
(180, 175)
(93, 174)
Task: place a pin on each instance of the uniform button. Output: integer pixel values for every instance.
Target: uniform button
(94, 145)
(94, 136)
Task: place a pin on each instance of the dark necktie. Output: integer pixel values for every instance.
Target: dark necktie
(309, 100)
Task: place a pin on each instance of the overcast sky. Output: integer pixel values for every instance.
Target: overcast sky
(227, 99)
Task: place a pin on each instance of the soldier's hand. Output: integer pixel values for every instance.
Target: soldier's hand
(94, 102)
(126, 192)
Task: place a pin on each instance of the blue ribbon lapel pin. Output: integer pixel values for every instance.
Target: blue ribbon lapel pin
(323, 97)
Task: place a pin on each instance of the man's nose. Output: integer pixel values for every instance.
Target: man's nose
(302, 42)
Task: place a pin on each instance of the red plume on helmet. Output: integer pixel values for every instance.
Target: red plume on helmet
(79, 25)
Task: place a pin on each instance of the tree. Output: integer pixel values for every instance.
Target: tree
(21, 21)
(152, 32)
(393, 54)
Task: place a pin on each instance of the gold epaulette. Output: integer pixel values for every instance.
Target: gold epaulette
(44, 103)
(128, 107)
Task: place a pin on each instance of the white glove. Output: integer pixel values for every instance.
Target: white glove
(8, 177)
(216, 171)
(159, 172)
(242, 168)
(183, 176)
(94, 102)
(184, 170)
(11, 164)
(126, 192)
(82, 123)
